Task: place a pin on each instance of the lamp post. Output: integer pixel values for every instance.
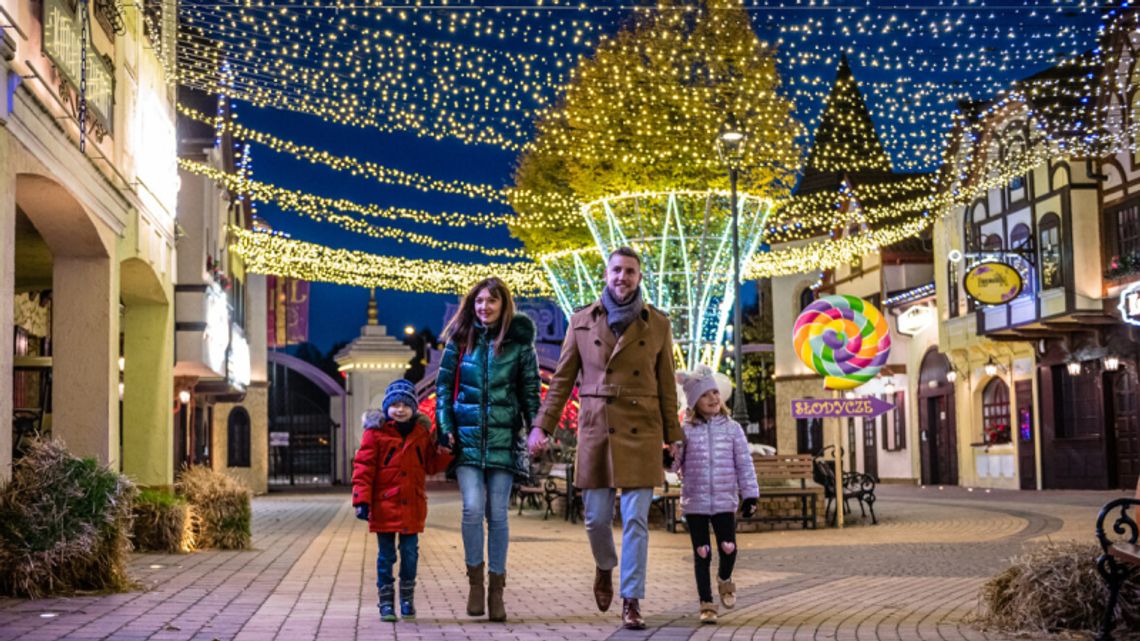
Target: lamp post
(729, 145)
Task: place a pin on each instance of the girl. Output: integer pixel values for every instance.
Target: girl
(716, 467)
(487, 391)
(389, 472)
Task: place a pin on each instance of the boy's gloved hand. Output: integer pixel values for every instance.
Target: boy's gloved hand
(748, 507)
(362, 511)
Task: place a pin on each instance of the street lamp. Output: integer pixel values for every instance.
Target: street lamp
(1111, 363)
(730, 147)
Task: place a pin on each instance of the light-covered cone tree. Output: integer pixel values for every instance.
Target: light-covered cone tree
(643, 113)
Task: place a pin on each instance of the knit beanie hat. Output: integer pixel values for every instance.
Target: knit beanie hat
(696, 383)
(399, 391)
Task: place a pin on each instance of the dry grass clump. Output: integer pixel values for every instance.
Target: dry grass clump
(164, 522)
(222, 504)
(65, 525)
(1052, 588)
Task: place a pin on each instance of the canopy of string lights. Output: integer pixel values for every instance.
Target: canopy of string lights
(603, 98)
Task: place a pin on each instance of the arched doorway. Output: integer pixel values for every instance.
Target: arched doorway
(63, 362)
(938, 432)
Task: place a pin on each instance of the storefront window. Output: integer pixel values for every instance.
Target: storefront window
(1051, 266)
(807, 297)
(952, 289)
(995, 412)
(1128, 230)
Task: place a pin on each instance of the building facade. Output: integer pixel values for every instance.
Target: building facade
(88, 190)
(220, 373)
(846, 166)
(1044, 385)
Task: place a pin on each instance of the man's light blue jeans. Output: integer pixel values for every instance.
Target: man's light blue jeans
(486, 495)
(599, 508)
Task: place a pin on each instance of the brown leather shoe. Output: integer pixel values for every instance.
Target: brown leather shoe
(604, 588)
(631, 615)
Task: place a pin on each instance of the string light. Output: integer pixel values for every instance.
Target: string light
(405, 69)
(280, 256)
(321, 209)
(564, 208)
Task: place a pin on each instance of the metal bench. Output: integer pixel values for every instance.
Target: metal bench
(1120, 557)
(856, 485)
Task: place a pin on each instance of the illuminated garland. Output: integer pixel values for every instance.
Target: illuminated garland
(401, 69)
(276, 255)
(320, 208)
(390, 176)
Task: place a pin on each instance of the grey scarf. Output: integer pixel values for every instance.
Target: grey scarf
(620, 315)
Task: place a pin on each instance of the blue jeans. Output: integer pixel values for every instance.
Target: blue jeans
(599, 509)
(386, 557)
(486, 495)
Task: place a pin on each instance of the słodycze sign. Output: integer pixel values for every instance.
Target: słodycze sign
(865, 407)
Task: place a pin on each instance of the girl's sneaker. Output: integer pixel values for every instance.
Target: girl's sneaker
(708, 612)
(727, 592)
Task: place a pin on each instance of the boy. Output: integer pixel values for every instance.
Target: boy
(396, 454)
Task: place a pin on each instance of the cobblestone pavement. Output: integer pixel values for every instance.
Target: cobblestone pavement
(914, 576)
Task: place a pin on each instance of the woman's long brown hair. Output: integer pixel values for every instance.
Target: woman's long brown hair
(461, 329)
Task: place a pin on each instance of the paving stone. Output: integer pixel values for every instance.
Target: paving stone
(311, 575)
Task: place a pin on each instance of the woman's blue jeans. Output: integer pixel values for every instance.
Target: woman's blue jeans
(486, 495)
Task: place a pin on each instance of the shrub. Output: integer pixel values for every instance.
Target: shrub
(222, 505)
(1052, 588)
(64, 524)
(164, 522)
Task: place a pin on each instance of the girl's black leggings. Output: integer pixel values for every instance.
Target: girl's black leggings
(724, 526)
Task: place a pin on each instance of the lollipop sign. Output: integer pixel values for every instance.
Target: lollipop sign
(844, 339)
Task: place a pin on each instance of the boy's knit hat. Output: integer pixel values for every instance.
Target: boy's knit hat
(400, 391)
(696, 383)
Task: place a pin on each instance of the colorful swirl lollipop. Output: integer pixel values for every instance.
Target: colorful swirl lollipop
(843, 338)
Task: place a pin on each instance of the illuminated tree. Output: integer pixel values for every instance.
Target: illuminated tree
(643, 114)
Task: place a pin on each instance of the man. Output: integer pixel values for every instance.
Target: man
(623, 350)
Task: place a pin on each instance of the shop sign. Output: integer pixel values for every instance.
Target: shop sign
(63, 45)
(864, 407)
(237, 362)
(217, 334)
(1130, 304)
(914, 320)
(279, 439)
(993, 283)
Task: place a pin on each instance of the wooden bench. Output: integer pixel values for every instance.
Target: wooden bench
(1120, 558)
(666, 498)
(786, 467)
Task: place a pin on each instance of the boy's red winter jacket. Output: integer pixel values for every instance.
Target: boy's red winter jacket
(389, 473)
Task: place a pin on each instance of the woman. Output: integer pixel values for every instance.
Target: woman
(487, 392)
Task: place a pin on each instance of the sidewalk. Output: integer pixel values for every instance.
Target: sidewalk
(312, 576)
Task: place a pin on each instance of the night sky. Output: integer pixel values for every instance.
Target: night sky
(337, 312)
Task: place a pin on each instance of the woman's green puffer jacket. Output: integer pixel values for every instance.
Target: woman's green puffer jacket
(498, 397)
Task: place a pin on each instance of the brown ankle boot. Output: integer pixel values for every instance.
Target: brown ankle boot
(475, 594)
(496, 611)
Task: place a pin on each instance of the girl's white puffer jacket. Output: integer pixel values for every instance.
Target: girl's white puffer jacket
(716, 467)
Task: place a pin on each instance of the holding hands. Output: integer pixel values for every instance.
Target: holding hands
(537, 442)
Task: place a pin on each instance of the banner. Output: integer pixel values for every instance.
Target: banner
(297, 311)
(286, 311)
